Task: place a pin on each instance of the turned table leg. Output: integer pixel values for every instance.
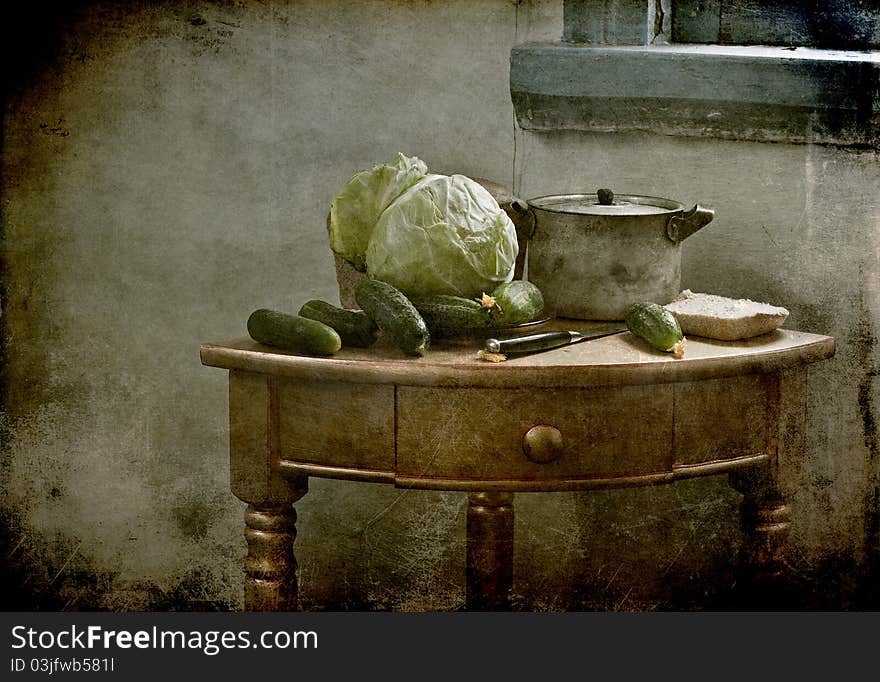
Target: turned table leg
(765, 513)
(766, 521)
(270, 519)
(270, 566)
(489, 551)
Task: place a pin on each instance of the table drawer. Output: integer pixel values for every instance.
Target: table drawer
(336, 424)
(722, 419)
(534, 435)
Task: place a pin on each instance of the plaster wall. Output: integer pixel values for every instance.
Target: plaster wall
(169, 170)
(795, 225)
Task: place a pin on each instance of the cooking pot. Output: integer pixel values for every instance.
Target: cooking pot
(592, 255)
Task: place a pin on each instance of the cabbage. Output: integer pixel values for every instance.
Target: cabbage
(355, 210)
(443, 235)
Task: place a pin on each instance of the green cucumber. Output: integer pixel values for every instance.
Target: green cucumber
(518, 301)
(354, 327)
(394, 314)
(292, 332)
(656, 325)
(448, 316)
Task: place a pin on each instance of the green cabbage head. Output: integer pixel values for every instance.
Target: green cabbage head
(443, 235)
(356, 209)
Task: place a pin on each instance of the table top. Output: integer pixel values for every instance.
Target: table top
(621, 359)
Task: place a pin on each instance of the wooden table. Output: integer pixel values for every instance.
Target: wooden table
(608, 412)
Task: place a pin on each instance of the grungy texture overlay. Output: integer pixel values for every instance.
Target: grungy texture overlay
(167, 168)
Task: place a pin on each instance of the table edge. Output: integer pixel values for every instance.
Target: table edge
(489, 375)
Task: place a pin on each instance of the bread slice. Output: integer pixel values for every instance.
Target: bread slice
(727, 319)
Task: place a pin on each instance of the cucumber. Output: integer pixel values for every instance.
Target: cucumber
(354, 327)
(292, 332)
(448, 316)
(656, 325)
(518, 301)
(394, 314)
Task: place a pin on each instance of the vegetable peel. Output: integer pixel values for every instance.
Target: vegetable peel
(488, 356)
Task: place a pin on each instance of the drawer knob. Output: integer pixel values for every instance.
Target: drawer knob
(542, 443)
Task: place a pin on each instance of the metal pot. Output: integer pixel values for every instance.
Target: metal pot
(592, 255)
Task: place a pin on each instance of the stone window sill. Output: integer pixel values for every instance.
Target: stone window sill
(773, 94)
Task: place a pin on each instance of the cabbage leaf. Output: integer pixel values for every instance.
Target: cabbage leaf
(356, 209)
(443, 235)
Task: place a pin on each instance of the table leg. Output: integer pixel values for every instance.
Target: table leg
(489, 551)
(766, 521)
(270, 566)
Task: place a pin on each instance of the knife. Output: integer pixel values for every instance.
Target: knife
(533, 343)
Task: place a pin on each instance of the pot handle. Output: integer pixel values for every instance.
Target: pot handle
(682, 226)
(523, 218)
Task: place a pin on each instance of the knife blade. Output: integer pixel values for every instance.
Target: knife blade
(534, 343)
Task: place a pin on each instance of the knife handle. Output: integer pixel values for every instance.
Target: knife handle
(530, 343)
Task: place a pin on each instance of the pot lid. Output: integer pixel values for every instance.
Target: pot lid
(605, 202)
